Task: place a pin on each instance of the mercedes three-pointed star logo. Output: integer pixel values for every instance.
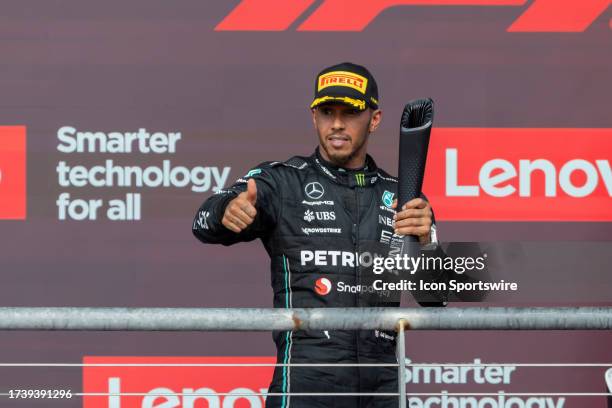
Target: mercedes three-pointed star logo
(314, 190)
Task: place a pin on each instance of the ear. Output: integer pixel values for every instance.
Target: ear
(314, 120)
(375, 120)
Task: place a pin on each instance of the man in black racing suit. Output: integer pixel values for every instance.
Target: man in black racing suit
(322, 219)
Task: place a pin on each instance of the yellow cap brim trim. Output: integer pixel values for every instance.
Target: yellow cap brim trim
(359, 104)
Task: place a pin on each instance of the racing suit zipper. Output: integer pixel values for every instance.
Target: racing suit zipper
(356, 243)
(357, 275)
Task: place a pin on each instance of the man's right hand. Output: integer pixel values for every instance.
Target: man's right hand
(241, 212)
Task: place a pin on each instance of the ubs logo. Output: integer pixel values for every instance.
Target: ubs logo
(12, 172)
(314, 190)
(309, 216)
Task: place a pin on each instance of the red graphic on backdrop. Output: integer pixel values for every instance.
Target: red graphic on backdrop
(177, 386)
(13, 172)
(520, 174)
(355, 15)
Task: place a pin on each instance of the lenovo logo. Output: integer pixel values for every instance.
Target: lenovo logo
(520, 174)
(176, 382)
(355, 15)
(507, 173)
(13, 172)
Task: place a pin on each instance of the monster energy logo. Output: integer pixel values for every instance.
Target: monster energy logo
(360, 178)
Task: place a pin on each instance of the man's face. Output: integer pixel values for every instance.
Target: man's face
(343, 132)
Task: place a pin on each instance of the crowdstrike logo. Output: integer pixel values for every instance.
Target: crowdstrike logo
(323, 286)
(12, 172)
(321, 230)
(334, 15)
(521, 174)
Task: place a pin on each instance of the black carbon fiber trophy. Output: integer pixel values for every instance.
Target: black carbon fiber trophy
(415, 128)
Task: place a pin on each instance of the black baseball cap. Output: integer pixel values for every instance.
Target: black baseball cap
(346, 83)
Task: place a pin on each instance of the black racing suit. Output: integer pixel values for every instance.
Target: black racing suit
(321, 226)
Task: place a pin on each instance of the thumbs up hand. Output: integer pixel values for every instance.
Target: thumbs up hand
(251, 193)
(241, 212)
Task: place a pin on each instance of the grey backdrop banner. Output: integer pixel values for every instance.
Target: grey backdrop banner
(238, 98)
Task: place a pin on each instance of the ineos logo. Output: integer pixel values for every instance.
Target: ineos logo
(314, 190)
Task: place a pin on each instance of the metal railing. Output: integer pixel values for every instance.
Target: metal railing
(190, 319)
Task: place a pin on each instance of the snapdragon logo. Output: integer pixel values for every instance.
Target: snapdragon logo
(323, 286)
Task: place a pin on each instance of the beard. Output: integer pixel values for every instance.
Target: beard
(340, 158)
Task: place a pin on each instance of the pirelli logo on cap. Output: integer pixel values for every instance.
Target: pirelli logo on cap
(343, 78)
